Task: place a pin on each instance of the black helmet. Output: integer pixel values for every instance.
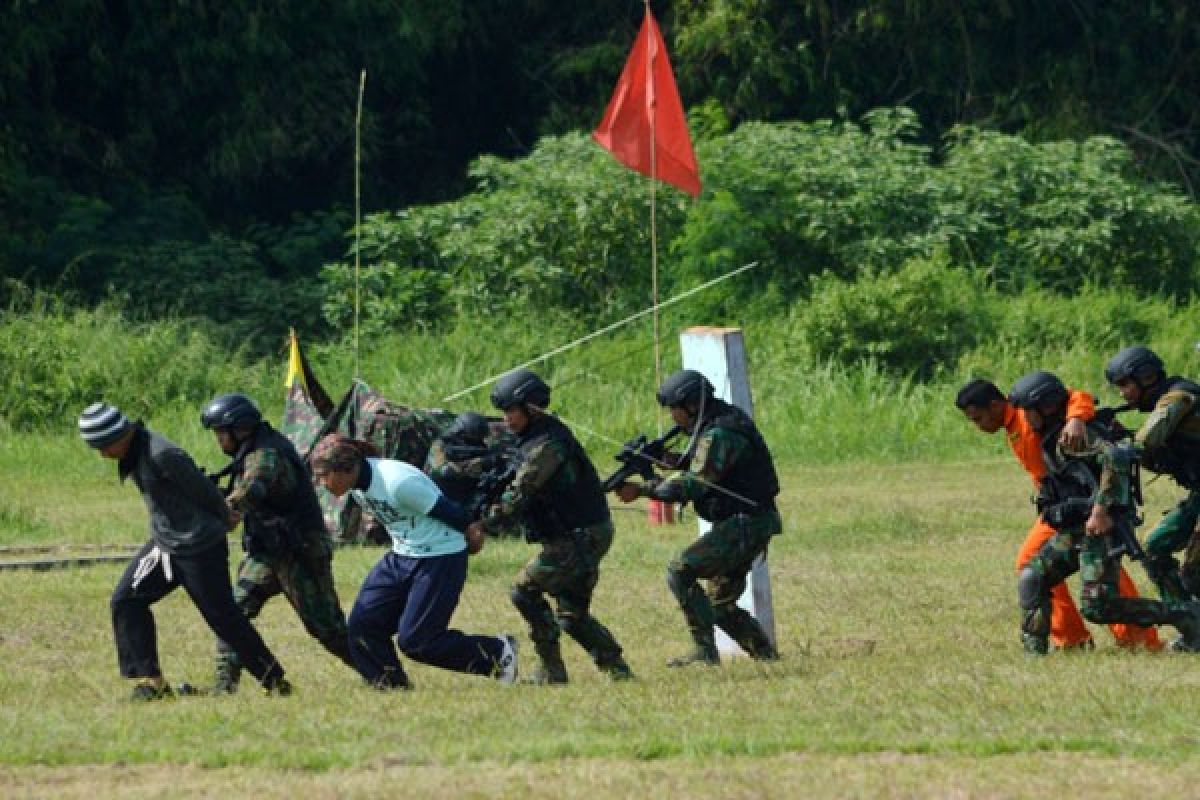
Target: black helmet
(519, 387)
(1137, 362)
(468, 427)
(684, 387)
(230, 411)
(1037, 390)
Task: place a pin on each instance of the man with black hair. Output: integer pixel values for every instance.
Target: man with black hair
(1077, 479)
(989, 410)
(287, 547)
(1168, 443)
(556, 495)
(188, 522)
(730, 479)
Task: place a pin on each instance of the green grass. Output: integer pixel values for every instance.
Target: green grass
(901, 672)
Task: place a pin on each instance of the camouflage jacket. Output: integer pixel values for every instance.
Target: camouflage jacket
(729, 454)
(270, 487)
(555, 489)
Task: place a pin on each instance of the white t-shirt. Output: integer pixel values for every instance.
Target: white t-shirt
(400, 497)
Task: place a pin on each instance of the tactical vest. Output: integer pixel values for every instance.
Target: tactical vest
(1180, 456)
(562, 506)
(1069, 478)
(281, 522)
(752, 476)
(457, 484)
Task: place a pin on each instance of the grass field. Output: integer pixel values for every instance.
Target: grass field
(902, 673)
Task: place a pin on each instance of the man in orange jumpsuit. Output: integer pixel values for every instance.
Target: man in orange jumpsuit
(987, 407)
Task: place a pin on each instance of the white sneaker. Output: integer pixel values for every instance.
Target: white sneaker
(506, 667)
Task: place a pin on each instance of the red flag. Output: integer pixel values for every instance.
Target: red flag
(647, 101)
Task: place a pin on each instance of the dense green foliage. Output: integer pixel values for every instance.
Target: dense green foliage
(198, 157)
(566, 228)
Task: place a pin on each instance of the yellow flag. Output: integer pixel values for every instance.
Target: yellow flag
(295, 365)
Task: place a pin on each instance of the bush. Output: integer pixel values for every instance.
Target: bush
(918, 319)
(58, 359)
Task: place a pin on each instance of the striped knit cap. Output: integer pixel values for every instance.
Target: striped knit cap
(101, 424)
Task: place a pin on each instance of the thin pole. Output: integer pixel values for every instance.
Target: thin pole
(606, 329)
(362, 86)
(653, 109)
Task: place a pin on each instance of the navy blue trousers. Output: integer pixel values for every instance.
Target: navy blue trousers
(413, 599)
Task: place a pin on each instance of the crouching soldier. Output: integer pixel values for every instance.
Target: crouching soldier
(1097, 474)
(557, 496)
(288, 549)
(731, 482)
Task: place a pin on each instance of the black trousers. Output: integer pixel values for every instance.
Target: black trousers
(205, 577)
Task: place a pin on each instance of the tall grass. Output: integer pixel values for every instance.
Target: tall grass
(813, 410)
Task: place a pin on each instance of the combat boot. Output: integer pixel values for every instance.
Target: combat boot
(229, 670)
(1187, 622)
(280, 687)
(748, 633)
(701, 654)
(552, 670)
(1035, 645)
(147, 689)
(615, 668)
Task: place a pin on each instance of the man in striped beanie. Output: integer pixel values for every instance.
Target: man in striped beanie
(188, 523)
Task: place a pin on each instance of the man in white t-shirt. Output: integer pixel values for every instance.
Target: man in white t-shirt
(413, 591)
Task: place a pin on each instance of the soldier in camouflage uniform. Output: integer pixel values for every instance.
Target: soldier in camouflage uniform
(287, 547)
(459, 456)
(1168, 443)
(732, 484)
(1097, 475)
(556, 494)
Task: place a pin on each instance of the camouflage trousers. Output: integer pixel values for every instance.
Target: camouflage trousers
(1071, 551)
(723, 557)
(308, 585)
(567, 569)
(1176, 531)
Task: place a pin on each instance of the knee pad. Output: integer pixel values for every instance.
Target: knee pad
(1031, 588)
(680, 580)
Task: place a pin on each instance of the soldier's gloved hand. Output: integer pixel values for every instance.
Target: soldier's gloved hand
(671, 460)
(628, 492)
(1099, 522)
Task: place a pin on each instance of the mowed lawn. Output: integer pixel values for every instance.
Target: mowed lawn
(901, 672)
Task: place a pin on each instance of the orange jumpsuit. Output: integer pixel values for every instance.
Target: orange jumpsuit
(1067, 627)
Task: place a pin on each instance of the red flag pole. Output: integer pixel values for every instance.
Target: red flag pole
(652, 103)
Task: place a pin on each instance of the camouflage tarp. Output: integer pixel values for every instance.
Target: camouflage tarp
(399, 432)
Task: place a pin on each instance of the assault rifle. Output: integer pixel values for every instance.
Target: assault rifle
(1107, 417)
(1125, 521)
(639, 457)
(1124, 536)
(493, 481)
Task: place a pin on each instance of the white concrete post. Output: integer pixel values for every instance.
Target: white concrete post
(720, 355)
